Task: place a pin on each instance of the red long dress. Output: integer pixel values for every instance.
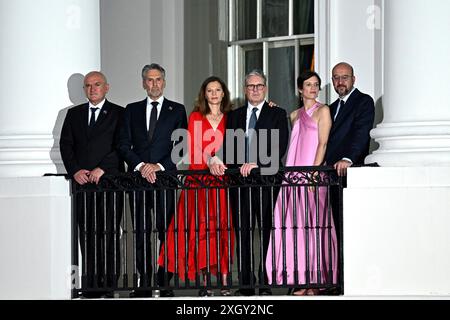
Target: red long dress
(203, 142)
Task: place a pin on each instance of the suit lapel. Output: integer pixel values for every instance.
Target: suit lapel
(103, 114)
(140, 117)
(263, 116)
(347, 109)
(333, 108)
(165, 111)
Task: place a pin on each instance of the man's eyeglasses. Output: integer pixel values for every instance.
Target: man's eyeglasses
(341, 78)
(252, 87)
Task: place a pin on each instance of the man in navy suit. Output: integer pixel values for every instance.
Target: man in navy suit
(254, 119)
(146, 144)
(89, 138)
(353, 115)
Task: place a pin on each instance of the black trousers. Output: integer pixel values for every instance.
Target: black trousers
(252, 205)
(98, 218)
(146, 207)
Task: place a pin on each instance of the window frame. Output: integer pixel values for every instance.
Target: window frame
(237, 48)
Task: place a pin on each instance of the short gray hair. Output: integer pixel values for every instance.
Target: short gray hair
(153, 66)
(258, 73)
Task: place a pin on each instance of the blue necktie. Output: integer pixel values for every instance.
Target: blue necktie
(251, 125)
(92, 119)
(152, 122)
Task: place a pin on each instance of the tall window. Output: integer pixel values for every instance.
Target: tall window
(276, 36)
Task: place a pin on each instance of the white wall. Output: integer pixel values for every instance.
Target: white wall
(396, 237)
(139, 32)
(356, 37)
(205, 51)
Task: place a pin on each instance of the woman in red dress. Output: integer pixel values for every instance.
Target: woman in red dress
(214, 240)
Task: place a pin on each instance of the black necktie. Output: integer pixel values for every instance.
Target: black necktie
(92, 120)
(251, 125)
(152, 122)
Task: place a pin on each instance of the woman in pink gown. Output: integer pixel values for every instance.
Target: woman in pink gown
(311, 257)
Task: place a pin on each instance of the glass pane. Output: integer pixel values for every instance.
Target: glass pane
(253, 60)
(246, 12)
(275, 18)
(305, 58)
(303, 16)
(282, 88)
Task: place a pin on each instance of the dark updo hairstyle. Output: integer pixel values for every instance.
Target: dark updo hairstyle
(305, 75)
(201, 104)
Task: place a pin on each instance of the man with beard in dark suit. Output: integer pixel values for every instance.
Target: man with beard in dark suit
(146, 144)
(89, 138)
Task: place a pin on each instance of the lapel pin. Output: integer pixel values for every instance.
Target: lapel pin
(170, 108)
(105, 112)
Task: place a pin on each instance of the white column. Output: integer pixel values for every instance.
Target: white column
(416, 126)
(46, 47)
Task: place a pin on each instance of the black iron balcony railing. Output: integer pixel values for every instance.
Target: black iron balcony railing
(191, 230)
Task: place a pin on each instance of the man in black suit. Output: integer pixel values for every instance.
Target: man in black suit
(146, 144)
(249, 151)
(89, 138)
(353, 115)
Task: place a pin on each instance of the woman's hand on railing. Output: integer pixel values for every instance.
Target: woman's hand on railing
(247, 168)
(314, 178)
(81, 176)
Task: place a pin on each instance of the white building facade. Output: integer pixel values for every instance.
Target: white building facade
(395, 217)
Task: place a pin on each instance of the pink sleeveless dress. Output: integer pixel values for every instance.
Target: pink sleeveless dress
(313, 230)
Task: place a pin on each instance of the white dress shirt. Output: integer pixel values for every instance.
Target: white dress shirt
(150, 107)
(250, 111)
(344, 98)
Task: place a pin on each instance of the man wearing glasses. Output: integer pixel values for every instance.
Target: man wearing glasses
(255, 118)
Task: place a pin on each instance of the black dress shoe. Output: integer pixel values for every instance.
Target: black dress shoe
(245, 292)
(167, 293)
(265, 292)
(141, 294)
(334, 291)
